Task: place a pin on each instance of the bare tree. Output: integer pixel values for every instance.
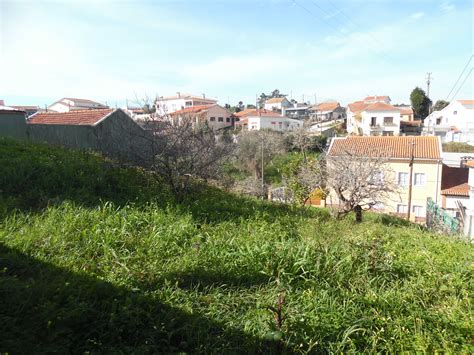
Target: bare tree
(179, 148)
(255, 148)
(189, 149)
(352, 183)
(358, 183)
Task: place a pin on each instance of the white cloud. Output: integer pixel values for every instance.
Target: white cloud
(417, 15)
(447, 6)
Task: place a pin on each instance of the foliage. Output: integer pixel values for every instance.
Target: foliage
(216, 273)
(252, 144)
(440, 104)
(458, 147)
(420, 103)
(302, 178)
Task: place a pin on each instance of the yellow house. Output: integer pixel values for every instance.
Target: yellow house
(399, 152)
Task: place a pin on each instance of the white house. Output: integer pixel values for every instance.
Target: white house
(170, 104)
(278, 104)
(67, 104)
(214, 115)
(264, 119)
(373, 119)
(454, 123)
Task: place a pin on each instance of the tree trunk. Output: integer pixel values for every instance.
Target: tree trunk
(358, 212)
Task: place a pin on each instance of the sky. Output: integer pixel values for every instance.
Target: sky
(312, 50)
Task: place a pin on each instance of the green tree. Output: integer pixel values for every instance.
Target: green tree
(440, 104)
(420, 103)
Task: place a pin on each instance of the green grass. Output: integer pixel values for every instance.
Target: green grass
(94, 258)
(458, 147)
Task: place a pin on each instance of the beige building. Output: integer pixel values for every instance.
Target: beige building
(214, 115)
(398, 152)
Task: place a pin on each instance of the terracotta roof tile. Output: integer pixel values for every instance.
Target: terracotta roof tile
(275, 100)
(193, 109)
(380, 106)
(405, 110)
(389, 147)
(75, 118)
(376, 97)
(259, 112)
(357, 106)
(326, 106)
(454, 181)
(466, 102)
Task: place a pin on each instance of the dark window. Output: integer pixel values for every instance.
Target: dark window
(388, 120)
(227, 119)
(373, 121)
(221, 119)
(213, 119)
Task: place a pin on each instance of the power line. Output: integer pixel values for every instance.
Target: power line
(467, 76)
(460, 75)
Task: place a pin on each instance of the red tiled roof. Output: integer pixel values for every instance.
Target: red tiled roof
(405, 110)
(76, 118)
(380, 106)
(454, 181)
(257, 112)
(376, 97)
(275, 100)
(193, 109)
(390, 147)
(326, 106)
(357, 106)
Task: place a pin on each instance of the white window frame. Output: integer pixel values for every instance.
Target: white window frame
(405, 180)
(419, 183)
(403, 207)
(418, 208)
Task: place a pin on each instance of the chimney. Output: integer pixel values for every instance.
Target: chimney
(203, 96)
(179, 94)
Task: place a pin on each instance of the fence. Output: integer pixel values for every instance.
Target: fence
(439, 220)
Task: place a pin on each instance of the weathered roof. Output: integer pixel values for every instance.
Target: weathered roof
(466, 102)
(380, 106)
(193, 109)
(376, 97)
(385, 146)
(257, 112)
(405, 110)
(454, 181)
(275, 100)
(75, 118)
(326, 106)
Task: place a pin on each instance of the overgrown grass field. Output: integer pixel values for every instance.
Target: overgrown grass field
(97, 258)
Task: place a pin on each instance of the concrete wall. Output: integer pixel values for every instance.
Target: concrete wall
(13, 124)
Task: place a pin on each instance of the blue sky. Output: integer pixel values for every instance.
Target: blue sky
(232, 50)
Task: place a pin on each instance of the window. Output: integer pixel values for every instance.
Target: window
(221, 119)
(388, 120)
(373, 121)
(387, 133)
(376, 178)
(212, 119)
(455, 112)
(402, 208)
(420, 179)
(418, 211)
(188, 103)
(274, 123)
(403, 179)
(227, 119)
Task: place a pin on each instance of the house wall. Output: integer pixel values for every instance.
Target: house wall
(216, 112)
(280, 124)
(420, 194)
(13, 125)
(173, 105)
(379, 116)
(278, 105)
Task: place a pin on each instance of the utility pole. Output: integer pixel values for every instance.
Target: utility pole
(428, 83)
(263, 185)
(410, 184)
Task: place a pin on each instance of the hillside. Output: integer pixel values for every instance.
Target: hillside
(98, 258)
